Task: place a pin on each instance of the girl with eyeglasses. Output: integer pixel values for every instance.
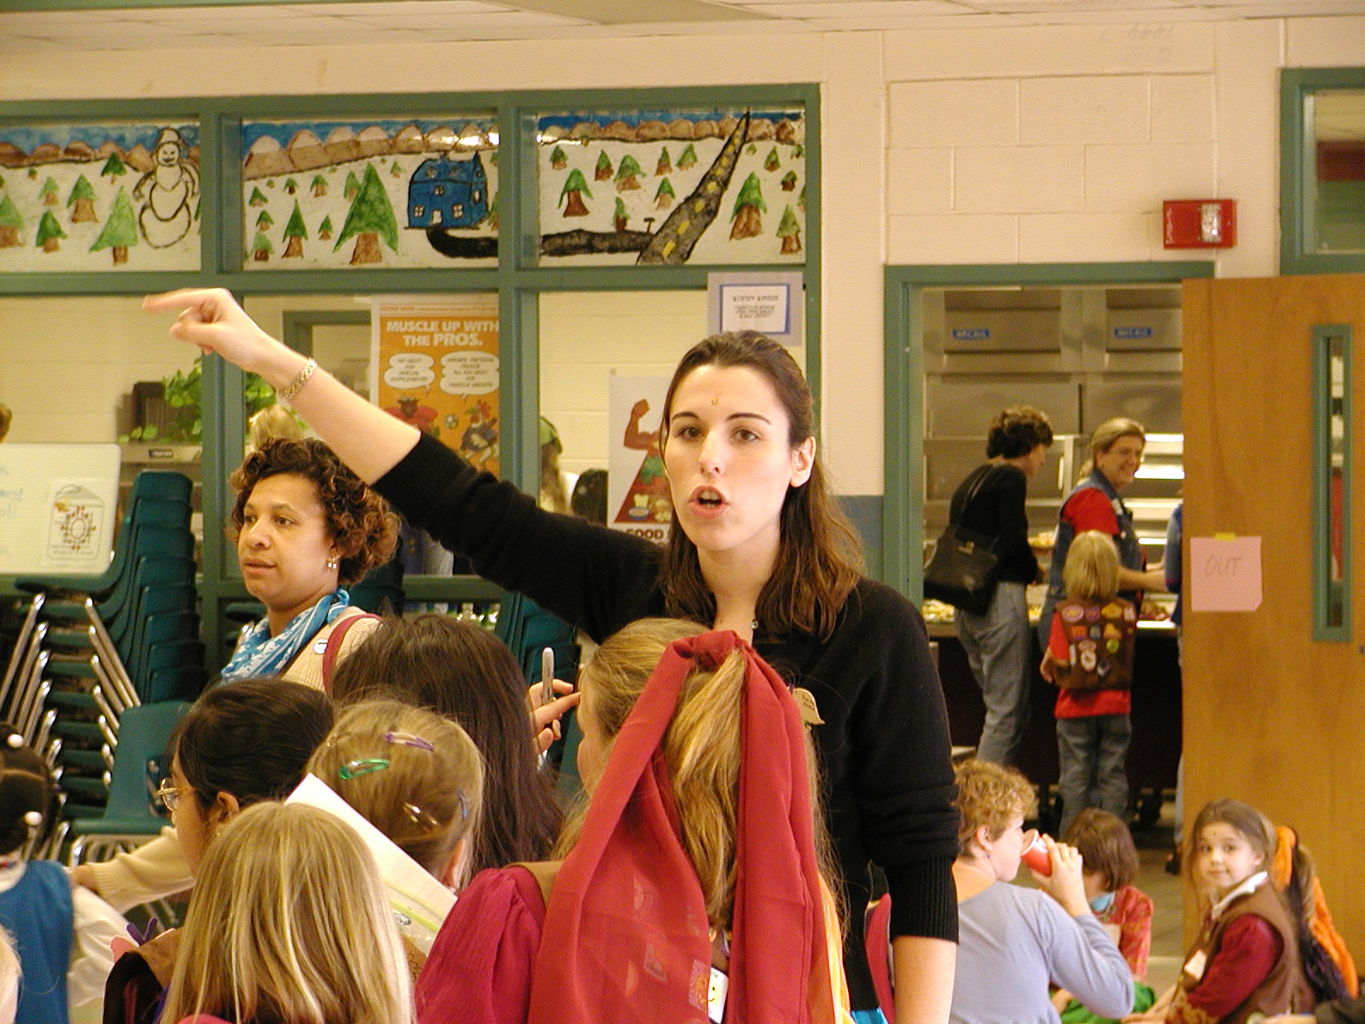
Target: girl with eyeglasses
(236, 746)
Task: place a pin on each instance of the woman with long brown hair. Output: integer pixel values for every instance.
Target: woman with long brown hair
(760, 548)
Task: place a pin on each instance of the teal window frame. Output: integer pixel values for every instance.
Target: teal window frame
(518, 279)
(1323, 584)
(1298, 162)
(902, 558)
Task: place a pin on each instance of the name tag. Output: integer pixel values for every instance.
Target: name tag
(715, 995)
(1194, 966)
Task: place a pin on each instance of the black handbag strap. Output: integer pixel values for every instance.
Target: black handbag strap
(982, 473)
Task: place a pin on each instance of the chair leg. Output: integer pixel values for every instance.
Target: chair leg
(21, 692)
(24, 649)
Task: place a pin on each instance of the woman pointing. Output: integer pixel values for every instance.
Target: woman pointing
(760, 549)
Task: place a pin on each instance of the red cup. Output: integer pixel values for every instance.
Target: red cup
(1035, 853)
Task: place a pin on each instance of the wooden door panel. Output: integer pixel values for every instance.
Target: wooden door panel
(1272, 717)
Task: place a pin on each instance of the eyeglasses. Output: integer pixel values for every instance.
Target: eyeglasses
(169, 794)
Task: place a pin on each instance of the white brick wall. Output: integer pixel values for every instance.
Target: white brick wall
(941, 145)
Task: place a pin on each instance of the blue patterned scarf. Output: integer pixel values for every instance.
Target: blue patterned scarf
(260, 654)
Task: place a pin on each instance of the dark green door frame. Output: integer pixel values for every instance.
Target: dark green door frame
(903, 380)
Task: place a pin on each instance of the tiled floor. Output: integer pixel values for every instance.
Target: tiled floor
(1154, 846)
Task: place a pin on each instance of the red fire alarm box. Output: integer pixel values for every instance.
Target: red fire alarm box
(1199, 223)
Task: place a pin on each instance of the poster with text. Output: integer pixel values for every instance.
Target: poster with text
(637, 490)
(434, 364)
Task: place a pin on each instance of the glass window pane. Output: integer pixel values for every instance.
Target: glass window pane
(370, 192)
(97, 369)
(670, 187)
(601, 353)
(99, 197)
(1337, 197)
(1332, 483)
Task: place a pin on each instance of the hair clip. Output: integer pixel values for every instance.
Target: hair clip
(33, 818)
(464, 806)
(421, 817)
(15, 740)
(363, 766)
(407, 739)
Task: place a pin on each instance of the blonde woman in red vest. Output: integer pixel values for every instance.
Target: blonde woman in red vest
(1245, 961)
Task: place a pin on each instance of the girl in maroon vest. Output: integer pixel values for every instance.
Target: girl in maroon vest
(1245, 960)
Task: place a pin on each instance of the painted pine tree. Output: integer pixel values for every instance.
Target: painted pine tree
(261, 248)
(113, 167)
(627, 172)
(619, 217)
(664, 195)
(295, 232)
(10, 223)
(120, 229)
(49, 232)
(257, 198)
(747, 222)
(688, 158)
(49, 192)
(81, 201)
(789, 230)
(318, 186)
(603, 170)
(664, 165)
(558, 161)
(352, 186)
(325, 228)
(772, 162)
(370, 219)
(789, 181)
(575, 188)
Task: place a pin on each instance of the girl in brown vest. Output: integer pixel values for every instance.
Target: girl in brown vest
(1245, 960)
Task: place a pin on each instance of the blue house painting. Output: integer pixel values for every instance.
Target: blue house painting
(448, 193)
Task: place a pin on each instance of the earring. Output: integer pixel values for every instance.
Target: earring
(331, 563)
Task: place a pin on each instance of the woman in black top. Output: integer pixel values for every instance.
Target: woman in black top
(760, 549)
(997, 642)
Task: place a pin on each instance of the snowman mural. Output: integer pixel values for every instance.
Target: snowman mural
(166, 192)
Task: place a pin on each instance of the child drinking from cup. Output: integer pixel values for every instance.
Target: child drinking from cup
(1125, 911)
(1013, 940)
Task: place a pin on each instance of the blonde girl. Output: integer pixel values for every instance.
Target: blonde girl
(415, 776)
(696, 857)
(1089, 656)
(289, 923)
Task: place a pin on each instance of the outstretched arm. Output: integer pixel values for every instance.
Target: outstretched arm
(367, 439)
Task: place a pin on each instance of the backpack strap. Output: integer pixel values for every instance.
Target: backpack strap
(332, 651)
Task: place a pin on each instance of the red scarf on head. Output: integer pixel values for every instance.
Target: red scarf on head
(626, 937)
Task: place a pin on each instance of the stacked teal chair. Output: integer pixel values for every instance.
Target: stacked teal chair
(100, 647)
(132, 814)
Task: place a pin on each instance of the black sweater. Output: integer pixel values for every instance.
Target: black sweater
(884, 747)
(997, 510)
